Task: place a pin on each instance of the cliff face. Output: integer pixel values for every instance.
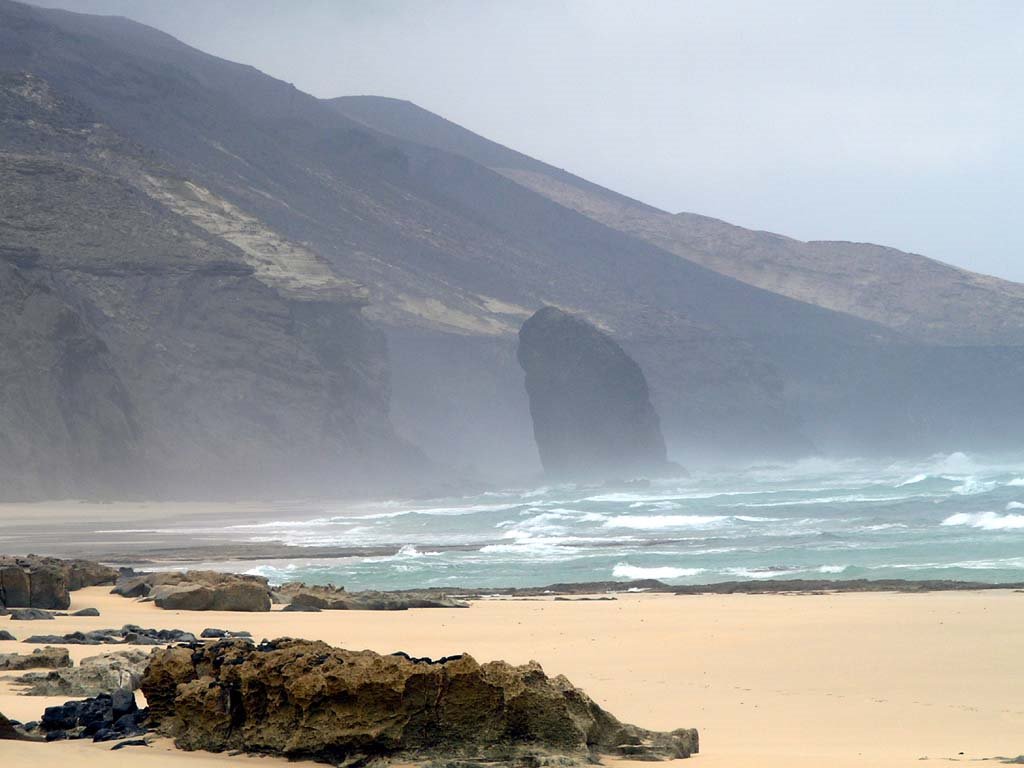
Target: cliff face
(591, 409)
(145, 353)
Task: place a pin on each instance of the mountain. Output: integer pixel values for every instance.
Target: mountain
(918, 297)
(286, 295)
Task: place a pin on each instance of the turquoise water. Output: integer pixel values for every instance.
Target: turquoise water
(948, 517)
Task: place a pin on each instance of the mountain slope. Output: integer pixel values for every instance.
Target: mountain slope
(919, 297)
(255, 246)
(151, 356)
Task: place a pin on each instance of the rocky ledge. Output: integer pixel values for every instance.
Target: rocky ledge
(197, 590)
(45, 582)
(299, 596)
(303, 699)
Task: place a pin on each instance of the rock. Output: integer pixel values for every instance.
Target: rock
(5, 635)
(130, 742)
(198, 590)
(216, 634)
(302, 597)
(129, 634)
(104, 674)
(122, 702)
(40, 658)
(303, 699)
(91, 718)
(30, 614)
(12, 731)
(44, 582)
(591, 408)
(87, 612)
(15, 588)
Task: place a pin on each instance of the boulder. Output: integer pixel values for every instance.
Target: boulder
(15, 587)
(93, 718)
(40, 658)
(95, 675)
(31, 614)
(198, 590)
(44, 582)
(589, 400)
(5, 635)
(129, 634)
(303, 699)
(87, 612)
(10, 731)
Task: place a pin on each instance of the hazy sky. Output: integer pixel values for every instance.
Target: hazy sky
(898, 122)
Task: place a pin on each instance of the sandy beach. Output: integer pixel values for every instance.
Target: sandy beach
(770, 680)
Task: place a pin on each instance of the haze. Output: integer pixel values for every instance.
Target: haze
(895, 123)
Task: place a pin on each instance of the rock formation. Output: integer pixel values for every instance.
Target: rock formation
(305, 699)
(591, 409)
(105, 673)
(103, 718)
(301, 596)
(11, 732)
(198, 590)
(129, 634)
(44, 582)
(40, 658)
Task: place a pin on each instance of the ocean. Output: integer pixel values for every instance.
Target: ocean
(948, 517)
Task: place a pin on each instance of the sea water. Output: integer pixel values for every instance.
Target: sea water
(947, 517)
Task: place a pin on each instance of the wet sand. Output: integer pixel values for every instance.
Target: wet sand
(770, 680)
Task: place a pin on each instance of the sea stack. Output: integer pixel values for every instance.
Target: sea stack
(591, 408)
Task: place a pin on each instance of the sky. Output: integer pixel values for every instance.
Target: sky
(898, 122)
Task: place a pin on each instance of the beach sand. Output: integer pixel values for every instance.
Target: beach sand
(770, 680)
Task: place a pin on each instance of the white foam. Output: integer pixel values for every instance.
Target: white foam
(658, 522)
(914, 480)
(1014, 505)
(627, 571)
(986, 521)
(832, 568)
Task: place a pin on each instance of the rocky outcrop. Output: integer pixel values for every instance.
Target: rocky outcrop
(45, 582)
(103, 718)
(305, 699)
(198, 590)
(591, 409)
(40, 658)
(105, 673)
(129, 634)
(10, 731)
(301, 596)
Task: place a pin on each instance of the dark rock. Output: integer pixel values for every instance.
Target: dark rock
(10, 730)
(306, 699)
(31, 614)
(591, 408)
(302, 597)
(92, 718)
(122, 702)
(87, 612)
(129, 634)
(40, 658)
(130, 743)
(215, 634)
(5, 635)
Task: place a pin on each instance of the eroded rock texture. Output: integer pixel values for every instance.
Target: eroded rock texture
(306, 699)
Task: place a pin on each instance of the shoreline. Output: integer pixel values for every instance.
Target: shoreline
(891, 679)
